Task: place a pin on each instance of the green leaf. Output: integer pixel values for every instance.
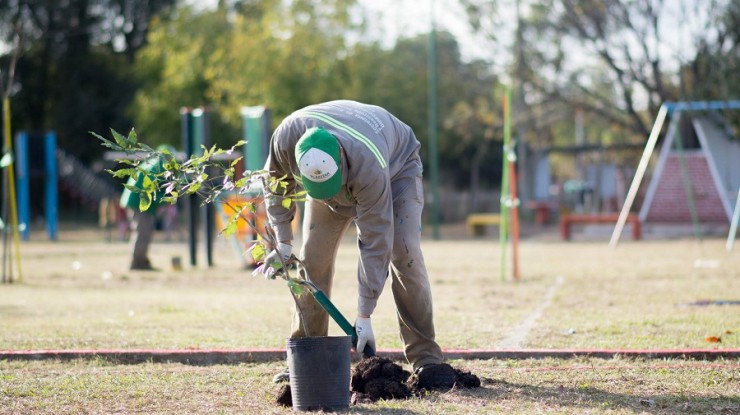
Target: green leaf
(132, 137)
(230, 229)
(105, 141)
(286, 202)
(296, 287)
(299, 196)
(258, 252)
(229, 173)
(235, 161)
(145, 201)
(98, 136)
(122, 173)
(241, 182)
(120, 140)
(148, 185)
(193, 188)
(171, 165)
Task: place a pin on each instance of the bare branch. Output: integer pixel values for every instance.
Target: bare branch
(11, 66)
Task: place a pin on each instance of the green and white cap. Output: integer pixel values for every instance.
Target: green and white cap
(317, 154)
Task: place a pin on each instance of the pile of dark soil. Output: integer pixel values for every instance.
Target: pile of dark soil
(284, 396)
(379, 378)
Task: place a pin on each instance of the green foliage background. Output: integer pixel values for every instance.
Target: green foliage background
(98, 64)
(289, 56)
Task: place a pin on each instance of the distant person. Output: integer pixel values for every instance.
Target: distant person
(142, 223)
(358, 163)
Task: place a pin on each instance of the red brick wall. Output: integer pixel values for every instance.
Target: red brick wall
(670, 203)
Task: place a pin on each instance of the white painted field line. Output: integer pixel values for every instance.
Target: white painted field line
(519, 334)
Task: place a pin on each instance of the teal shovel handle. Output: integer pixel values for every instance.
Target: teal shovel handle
(348, 329)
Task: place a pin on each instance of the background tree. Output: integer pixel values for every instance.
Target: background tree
(72, 74)
(397, 80)
(99, 64)
(287, 56)
(616, 59)
(178, 68)
(714, 72)
(281, 55)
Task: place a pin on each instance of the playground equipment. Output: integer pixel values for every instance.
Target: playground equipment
(567, 220)
(43, 169)
(80, 180)
(715, 161)
(196, 134)
(42, 166)
(256, 130)
(206, 218)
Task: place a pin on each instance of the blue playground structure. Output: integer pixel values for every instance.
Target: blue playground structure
(43, 170)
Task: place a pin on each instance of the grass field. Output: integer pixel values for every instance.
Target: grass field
(77, 293)
(590, 386)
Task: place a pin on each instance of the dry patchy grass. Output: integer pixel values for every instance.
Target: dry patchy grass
(617, 386)
(79, 294)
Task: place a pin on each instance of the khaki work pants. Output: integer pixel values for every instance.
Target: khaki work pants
(323, 230)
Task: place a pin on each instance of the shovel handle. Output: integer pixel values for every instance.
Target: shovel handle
(348, 329)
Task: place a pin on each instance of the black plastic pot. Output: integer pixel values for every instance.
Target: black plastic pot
(319, 372)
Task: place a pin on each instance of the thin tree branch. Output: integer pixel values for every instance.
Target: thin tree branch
(8, 87)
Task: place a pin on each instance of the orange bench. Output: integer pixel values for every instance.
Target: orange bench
(567, 220)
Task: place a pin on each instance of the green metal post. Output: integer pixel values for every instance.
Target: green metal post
(255, 126)
(187, 125)
(433, 156)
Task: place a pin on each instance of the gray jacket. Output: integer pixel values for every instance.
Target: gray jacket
(382, 154)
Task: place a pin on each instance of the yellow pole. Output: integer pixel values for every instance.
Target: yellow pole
(11, 187)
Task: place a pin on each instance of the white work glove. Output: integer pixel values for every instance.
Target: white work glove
(365, 335)
(272, 263)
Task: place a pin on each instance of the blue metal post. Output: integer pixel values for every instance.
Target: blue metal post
(51, 203)
(702, 105)
(23, 180)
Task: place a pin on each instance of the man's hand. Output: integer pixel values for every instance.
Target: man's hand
(365, 335)
(272, 262)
